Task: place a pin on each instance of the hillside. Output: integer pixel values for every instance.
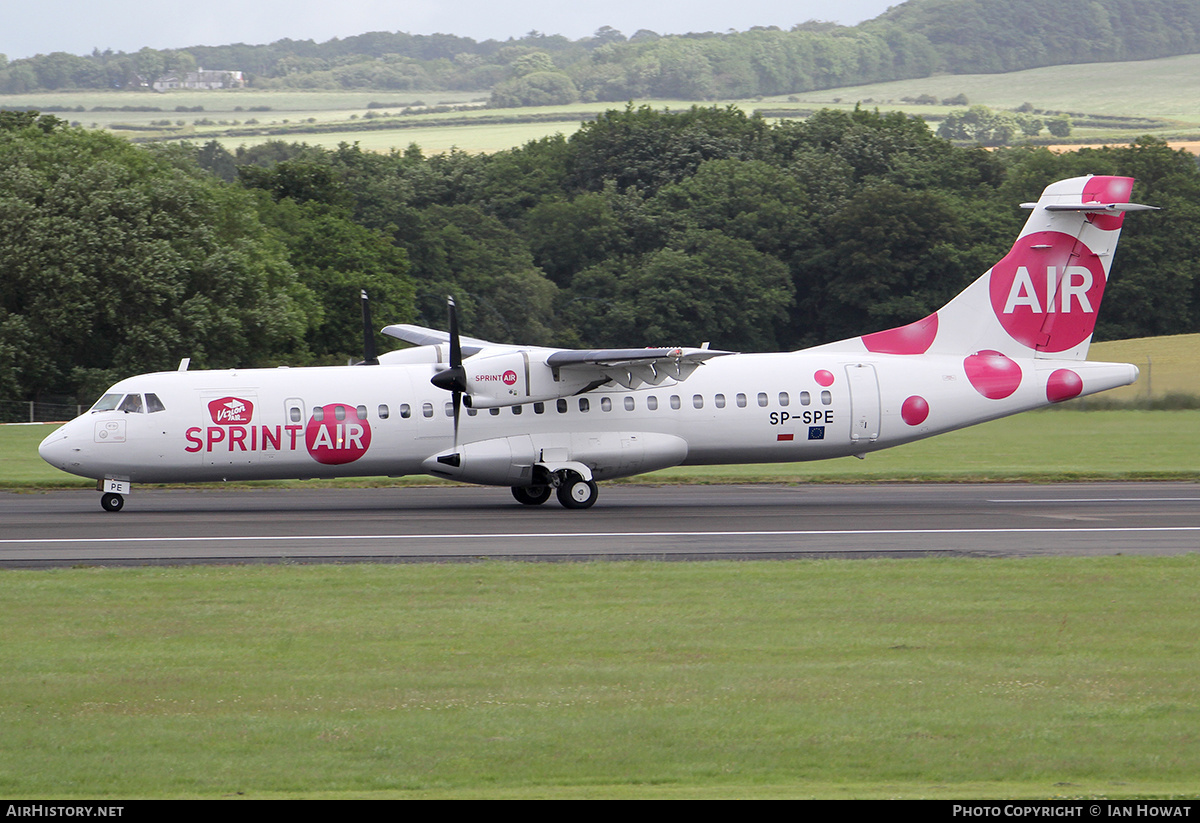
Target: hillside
(918, 38)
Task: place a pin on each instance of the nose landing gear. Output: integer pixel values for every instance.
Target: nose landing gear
(113, 499)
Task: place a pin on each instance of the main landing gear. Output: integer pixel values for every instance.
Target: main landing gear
(573, 491)
(531, 495)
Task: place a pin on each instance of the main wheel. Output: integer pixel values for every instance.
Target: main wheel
(111, 502)
(531, 495)
(578, 493)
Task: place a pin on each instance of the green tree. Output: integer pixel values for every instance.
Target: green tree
(335, 258)
(115, 261)
(705, 286)
(539, 88)
(1059, 125)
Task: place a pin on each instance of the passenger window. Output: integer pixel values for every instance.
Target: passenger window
(652, 403)
(539, 408)
(472, 412)
(674, 401)
(427, 409)
(318, 413)
(153, 404)
(584, 404)
(719, 401)
(361, 411)
(826, 398)
(697, 401)
(561, 405)
(517, 409)
(132, 403)
(383, 412)
(605, 404)
(762, 398)
(629, 404)
(449, 408)
(784, 399)
(339, 413)
(294, 414)
(741, 400)
(805, 398)
(494, 412)
(405, 411)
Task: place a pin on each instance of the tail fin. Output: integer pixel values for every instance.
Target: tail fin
(1041, 299)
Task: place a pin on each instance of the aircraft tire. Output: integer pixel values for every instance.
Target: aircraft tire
(578, 493)
(112, 502)
(531, 495)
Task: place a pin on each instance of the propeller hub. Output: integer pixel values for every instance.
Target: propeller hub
(452, 379)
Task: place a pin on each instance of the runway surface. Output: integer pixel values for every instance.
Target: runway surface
(181, 526)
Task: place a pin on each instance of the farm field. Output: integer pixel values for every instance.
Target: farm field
(1166, 89)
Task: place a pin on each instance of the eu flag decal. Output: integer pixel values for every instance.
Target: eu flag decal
(816, 432)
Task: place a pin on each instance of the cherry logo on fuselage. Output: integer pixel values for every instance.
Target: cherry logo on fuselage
(230, 410)
(1045, 291)
(336, 434)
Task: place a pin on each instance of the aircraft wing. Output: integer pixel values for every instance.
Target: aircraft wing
(584, 368)
(422, 336)
(632, 367)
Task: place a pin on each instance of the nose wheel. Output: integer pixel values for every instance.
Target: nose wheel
(112, 502)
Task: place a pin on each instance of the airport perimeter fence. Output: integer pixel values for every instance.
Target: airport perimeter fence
(22, 411)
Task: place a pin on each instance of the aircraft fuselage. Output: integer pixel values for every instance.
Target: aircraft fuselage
(389, 420)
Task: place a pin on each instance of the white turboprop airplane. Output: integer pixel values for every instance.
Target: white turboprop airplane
(540, 419)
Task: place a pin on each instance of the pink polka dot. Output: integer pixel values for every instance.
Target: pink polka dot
(914, 410)
(824, 378)
(915, 338)
(1063, 385)
(1105, 189)
(992, 374)
(1046, 290)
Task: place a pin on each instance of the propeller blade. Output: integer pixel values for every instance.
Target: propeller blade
(370, 355)
(453, 379)
(455, 344)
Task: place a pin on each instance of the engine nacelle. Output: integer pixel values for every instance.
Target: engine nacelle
(517, 377)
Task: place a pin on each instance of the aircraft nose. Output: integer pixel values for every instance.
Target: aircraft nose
(56, 448)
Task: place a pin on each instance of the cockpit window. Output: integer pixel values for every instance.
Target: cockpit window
(107, 403)
(153, 404)
(131, 403)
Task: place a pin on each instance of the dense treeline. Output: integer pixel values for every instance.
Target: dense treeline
(644, 228)
(913, 39)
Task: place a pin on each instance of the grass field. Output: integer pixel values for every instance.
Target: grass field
(844, 679)
(1165, 88)
(1169, 365)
